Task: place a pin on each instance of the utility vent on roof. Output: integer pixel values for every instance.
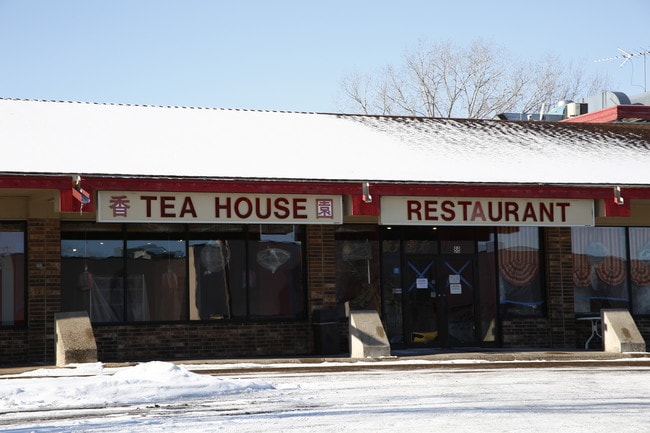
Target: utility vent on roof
(575, 109)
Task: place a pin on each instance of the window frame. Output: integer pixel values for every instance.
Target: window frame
(190, 232)
(508, 313)
(578, 268)
(21, 227)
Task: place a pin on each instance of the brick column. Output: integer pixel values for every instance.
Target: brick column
(321, 267)
(43, 287)
(559, 278)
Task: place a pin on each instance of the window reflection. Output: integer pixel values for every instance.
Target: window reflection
(599, 268)
(391, 284)
(520, 288)
(640, 269)
(12, 275)
(91, 275)
(217, 287)
(357, 267)
(275, 272)
(156, 280)
(208, 272)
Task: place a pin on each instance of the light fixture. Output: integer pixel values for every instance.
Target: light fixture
(617, 196)
(80, 194)
(365, 192)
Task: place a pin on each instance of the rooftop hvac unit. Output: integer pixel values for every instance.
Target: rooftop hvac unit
(575, 109)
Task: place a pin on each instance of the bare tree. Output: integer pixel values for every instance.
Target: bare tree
(444, 80)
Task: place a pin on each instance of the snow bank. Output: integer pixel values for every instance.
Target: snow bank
(91, 385)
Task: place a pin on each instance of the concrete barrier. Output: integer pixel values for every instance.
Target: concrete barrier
(75, 341)
(620, 333)
(367, 336)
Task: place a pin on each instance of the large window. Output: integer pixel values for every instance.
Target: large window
(92, 272)
(640, 269)
(12, 274)
(520, 286)
(156, 283)
(357, 266)
(168, 272)
(599, 268)
(217, 272)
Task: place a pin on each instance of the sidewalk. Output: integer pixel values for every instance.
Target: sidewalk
(430, 359)
(399, 360)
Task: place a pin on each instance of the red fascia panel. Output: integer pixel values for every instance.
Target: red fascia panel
(613, 114)
(360, 207)
(26, 181)
(222, 186)
(513, 191)
(352, 189)
(613, 209)
(69, 203)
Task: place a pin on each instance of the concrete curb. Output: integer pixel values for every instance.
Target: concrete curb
(406, 360)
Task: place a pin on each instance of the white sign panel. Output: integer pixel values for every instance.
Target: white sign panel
(486, 211)
(193, 207)
(421, 283)
(455, 289)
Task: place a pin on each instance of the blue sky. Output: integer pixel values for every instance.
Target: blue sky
(285, 55)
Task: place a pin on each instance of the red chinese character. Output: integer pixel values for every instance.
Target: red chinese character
(324, 208)
(120, 205)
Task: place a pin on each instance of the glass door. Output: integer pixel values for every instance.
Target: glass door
(431, 292)
(421, 318)
(456, 300)
(439, 302)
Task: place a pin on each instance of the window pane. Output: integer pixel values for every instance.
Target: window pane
(156, 280)
(217, 279)
(91, 278)
(357, 267)
(392, 290)
(640, 269)
(457, 240)
(520, 288)
(599, 268)
(275, 272)
(73, 229)
(486, 241)
(12, 274)
(235, 272)
(219, 229)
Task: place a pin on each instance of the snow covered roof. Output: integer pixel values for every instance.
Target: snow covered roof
(47, 137)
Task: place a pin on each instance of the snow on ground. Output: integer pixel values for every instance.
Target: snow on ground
(160, 396)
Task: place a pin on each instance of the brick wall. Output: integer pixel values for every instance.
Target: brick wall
(559, 286)
(526, 333)
(43, 287)
(227, 339)
(644, 329)
(321, 267)
(200, 340)
(13, 346)
(558, 328)
(34, 344)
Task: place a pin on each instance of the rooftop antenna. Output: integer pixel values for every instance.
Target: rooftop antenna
(627, 56)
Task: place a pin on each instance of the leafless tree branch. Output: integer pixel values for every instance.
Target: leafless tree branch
(480, 81)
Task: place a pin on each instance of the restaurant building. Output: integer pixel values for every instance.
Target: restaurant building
(202, 233)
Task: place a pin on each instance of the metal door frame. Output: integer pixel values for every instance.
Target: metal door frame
(441, 305)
